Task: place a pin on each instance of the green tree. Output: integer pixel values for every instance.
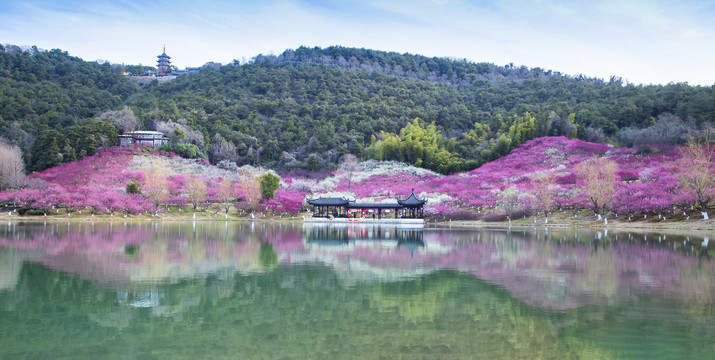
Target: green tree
(269, 183)
(177, 136)
(133, 188)
(46, 151)
(312, 163)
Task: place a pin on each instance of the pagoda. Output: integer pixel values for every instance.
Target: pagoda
(163, 64)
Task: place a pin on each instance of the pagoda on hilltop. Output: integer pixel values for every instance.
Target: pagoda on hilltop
(163, 64)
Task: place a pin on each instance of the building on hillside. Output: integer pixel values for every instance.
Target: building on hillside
(188, 70)
(163, 64)
(331, 207)
(143, 138)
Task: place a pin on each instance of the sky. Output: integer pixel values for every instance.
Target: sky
(643, 42)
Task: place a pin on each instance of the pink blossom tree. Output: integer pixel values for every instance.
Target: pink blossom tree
(544, 190)
(598, 177)
(697, 171)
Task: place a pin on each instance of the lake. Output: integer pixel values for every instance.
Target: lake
(228, 290)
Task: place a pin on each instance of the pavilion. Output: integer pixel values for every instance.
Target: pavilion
(327, 207)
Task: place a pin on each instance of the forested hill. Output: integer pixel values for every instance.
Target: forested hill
(307, 107)
(47, 99)
(336, 100)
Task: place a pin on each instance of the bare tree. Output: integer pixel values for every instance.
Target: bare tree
(12, 169)
(195, 191)
(595, 135)
(696, 168)
(349, 164)
(190, 136)
(222, 150)
(156, 185)
(544, 191)
(124, 120)
(599, 177)
(667, 129)
(509, 199)
(251, 189)
(226, 193)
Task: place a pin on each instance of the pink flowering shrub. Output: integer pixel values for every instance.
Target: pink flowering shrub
(646, 183)
(286, 201)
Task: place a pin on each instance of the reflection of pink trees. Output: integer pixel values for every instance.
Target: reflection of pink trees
(548, 273)
(112, 253)
(538, 268)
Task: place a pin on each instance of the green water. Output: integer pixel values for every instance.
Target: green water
(214, 290)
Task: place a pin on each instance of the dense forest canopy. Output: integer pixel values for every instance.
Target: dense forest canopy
(311, 103)
(48, 100)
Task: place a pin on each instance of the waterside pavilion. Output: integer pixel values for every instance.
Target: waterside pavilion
(334, 207)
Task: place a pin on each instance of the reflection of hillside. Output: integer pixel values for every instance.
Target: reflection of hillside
(125, 256)
(10, 265)
(554, 269)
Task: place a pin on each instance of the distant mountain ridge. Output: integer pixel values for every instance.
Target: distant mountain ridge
(434, 69)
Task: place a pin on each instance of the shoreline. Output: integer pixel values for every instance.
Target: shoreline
(690, 225)
(528, 223)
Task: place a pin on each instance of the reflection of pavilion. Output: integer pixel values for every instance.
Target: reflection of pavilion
(404, 211)
(344, 234)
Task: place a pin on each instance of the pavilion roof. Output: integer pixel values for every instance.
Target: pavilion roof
(412, 200)
(329, 201)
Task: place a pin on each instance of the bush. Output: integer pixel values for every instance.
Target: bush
(188, 151)
(494, 217)
(462, 214)
(133, 188)
(501, 216)
(35, 212)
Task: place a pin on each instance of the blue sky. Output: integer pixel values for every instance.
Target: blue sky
(641, 41)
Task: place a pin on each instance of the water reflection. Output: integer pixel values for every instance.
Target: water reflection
(557, 268)
(285, 290)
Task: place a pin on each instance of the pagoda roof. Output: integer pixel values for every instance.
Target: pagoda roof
(411, 200)
(329, 201)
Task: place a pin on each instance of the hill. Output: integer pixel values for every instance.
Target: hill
(307, 107)
(540, 176)
(327, 102)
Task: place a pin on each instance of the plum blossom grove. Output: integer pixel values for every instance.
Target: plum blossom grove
(541, 176)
